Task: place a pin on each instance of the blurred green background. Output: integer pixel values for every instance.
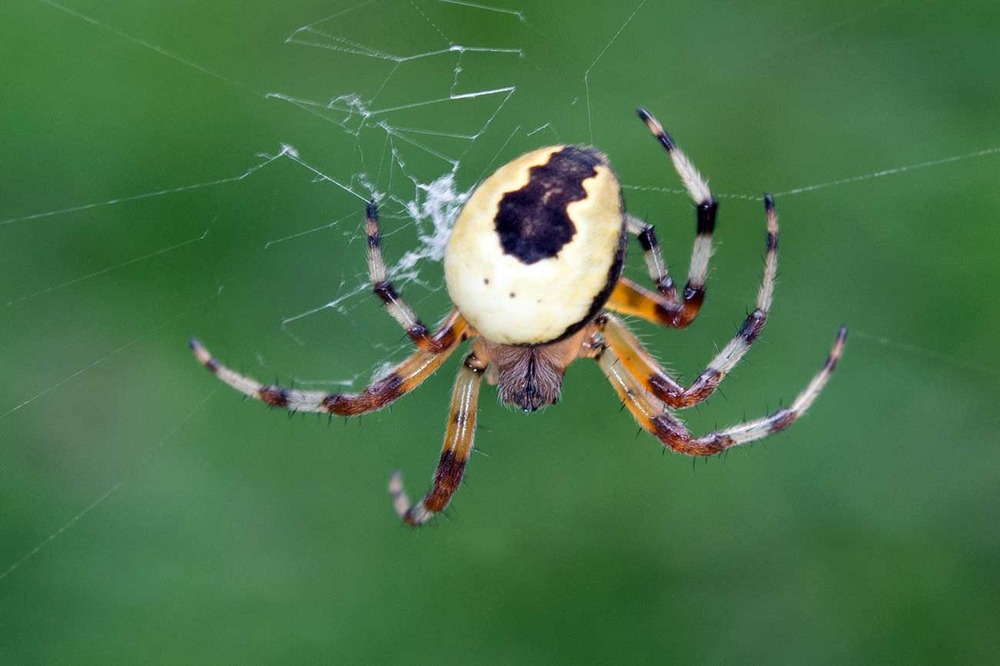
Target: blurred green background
(149, 515)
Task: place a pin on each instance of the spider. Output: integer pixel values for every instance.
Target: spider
(534, 269)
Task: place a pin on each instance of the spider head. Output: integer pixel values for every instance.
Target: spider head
(531, 377)
(527, 378)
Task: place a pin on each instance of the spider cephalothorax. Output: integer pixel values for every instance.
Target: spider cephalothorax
(530, 376)
(533, 267)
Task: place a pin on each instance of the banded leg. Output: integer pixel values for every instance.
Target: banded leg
(651, 415)
(678, 311)
(404, 378)
(458, 442)
(384, 289)
(640, 364)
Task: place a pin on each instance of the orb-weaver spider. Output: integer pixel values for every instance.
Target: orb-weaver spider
(534, 268)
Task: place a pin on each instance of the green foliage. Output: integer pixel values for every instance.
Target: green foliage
(151, 516)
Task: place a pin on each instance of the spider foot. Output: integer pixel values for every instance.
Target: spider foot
(405, 509)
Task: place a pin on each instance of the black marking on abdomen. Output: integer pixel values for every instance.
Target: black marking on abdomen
(532, 222)
(614, 274)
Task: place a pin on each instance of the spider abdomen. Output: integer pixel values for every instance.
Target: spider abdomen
(538, 246)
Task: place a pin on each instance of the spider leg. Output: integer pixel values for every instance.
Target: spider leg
(458, 441)
(640, 364)
(676, 311)
(651, 415)
(401, 380)
(385, 290)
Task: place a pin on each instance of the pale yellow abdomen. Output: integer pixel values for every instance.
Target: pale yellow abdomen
(538, 246)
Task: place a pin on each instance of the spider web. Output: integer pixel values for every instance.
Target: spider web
(253, 242)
